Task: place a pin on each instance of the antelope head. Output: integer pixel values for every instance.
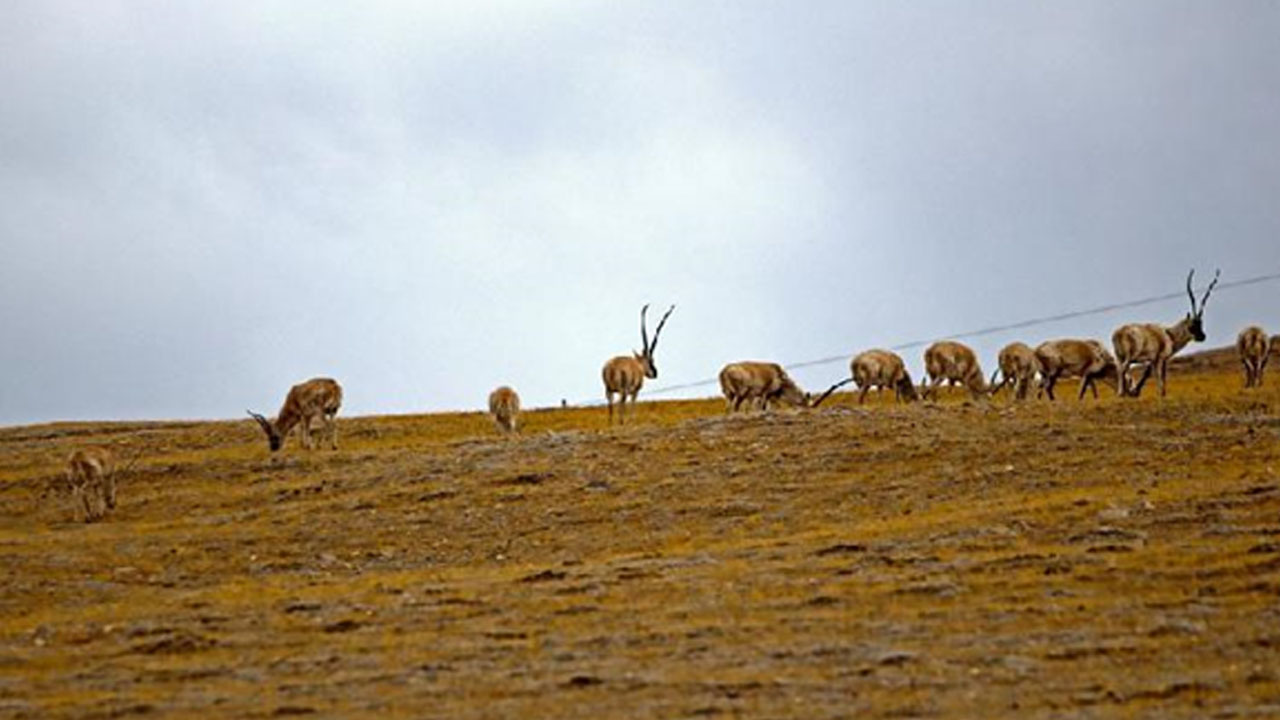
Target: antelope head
(908, 388)
(646, 358)
(273, 435)
(1195, 319)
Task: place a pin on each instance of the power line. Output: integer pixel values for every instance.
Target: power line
(1101, 309)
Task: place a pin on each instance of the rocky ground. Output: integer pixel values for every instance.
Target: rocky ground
(952, 559)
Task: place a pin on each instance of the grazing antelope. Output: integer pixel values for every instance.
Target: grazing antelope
(315, 398)
(1018, 367)
(504, 406)
(955, 362)
(1255, 348)
(882, 369)
(92, 477)
(1086, 359)
(760, 383)
(1153, 345)
(625, 375)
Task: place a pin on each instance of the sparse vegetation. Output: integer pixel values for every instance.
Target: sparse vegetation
(950, 559)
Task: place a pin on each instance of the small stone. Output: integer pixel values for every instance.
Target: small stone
(1111, 514)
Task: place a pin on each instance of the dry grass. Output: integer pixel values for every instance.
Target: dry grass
(1112, 558)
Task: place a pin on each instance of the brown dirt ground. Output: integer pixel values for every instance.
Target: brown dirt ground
(957, 559)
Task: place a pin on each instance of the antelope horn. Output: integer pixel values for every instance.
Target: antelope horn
(1205, 299)
(266, 425)
(644, 336)
(830, 390)
(1191, 294)
(992, 388)
(657, 332)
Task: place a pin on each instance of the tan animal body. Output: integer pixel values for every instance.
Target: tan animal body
(317, 398)
(504, 406)
(91, 475)
(1085, 359)
(1254, 348)
(758, 383)
(950, 361)
(881, 369)
(624, 375)
(1153, 345)
(1018, 366)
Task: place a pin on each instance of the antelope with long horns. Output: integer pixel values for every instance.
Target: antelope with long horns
(1153, 345)
(1086, 359)
(1254, 348)
(950, 361)
(759, 383)
(504, 406)
(1018, 366)
(317, 398)
(624, 375)
(882, 369)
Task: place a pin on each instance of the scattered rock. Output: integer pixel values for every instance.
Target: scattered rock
(841, 549)
(895, 658)
(582, 681)
(178, 643)
(544, 576)
(532, 478)
(342, 626)
(1113, 514)
(1177, 627)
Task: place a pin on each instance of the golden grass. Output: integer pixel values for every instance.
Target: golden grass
(944, 560)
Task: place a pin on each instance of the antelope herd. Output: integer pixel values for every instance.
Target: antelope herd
(92, 474)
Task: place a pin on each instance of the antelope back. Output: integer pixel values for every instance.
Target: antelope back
(877, 367)
(951, 360)
(623, 374)
(89, 465)
(1142, 342)
(1253, 343)
(504, 402)
(314, 397)
(1017, 358)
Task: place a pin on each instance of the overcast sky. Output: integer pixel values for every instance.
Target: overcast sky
(204, 203)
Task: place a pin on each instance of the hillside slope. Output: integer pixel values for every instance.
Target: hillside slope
(944, 560)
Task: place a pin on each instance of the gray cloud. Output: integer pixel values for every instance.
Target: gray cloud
(202, 205)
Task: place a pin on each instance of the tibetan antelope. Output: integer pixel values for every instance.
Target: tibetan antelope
(1086, 359)
(504, 406)
(625, 375)
(760, 383)
(881, 369)
(1254, 348)
(1153, 345)
(947, 360)
(91, 473)
(1018, 366)
(317, 398)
